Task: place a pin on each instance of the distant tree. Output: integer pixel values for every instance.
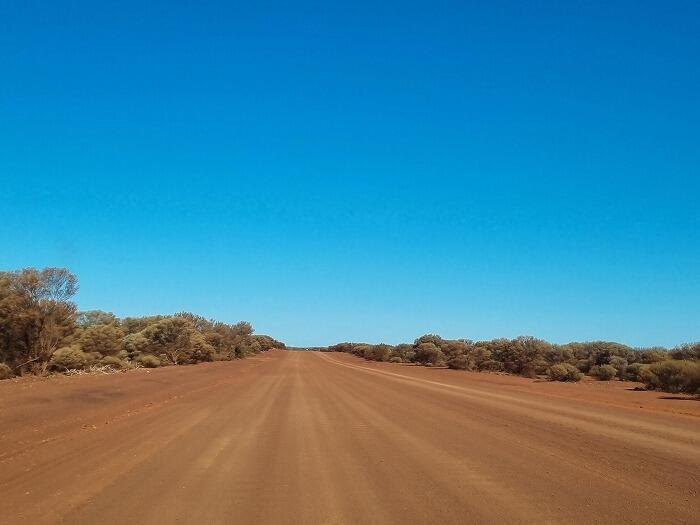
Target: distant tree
(634, 372)
(429, 338)
(524, 355)
(603, 372)
(107, 339)
(650, 355)
(96, 317)
(564, 372)
(199, 323)
(429, 353)
(688, 352)
(456, 348)
(132, 325)
(459, 362)
(404, 352)
(135, 344)
(674, 376)
(69, 358)
(381, 352)
(480, 356)
(620, 364)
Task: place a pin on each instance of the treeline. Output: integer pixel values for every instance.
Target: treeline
(41, 331)
(676, 370)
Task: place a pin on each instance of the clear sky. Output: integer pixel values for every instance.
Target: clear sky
(362, 170)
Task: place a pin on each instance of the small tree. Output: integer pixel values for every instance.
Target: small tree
(459, 362)
(103, 338)
(688, 351)
(429, 354)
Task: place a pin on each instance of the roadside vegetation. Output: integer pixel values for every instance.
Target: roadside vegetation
(676, 370)
(42, 332)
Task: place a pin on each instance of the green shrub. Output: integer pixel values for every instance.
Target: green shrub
(603, 372)
(377, 352)
(459, 362)
(564, 372)
(395, 359)
(634, 372)
(5, 372)
(674, 376)
(688, 352)
(69, 358)
(148, 361)
(429, 354)
(620, 365)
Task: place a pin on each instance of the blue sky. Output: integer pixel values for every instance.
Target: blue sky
(349, 171)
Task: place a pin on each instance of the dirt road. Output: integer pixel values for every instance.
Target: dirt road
(291, 437)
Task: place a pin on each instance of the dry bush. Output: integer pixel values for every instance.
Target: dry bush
(674, 376)
(115, 362)
(5, 372)
(460, 362)
(635, 372)
(564, 372)
(604, 372)
(491, 365)
(429, 354)
(148, 361)
(93, 369)
(69, 357)
(395, 359)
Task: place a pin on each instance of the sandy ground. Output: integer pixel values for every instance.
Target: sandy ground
(291, 437)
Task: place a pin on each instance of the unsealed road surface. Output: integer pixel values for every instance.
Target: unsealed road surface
(292, 437)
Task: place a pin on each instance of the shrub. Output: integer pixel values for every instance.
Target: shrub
(395, 359)
(564, 372)
(688, 351)
(377, 352)
(429, 354)
(620, 365)
(69, 357)
(584, 365)
(114, 362)
(460, 362)
(634, 372)
(491, 365)
(648, 356)
(148, 361)
(5, 372)
(103, 338)
(603, 372)
(674, 376)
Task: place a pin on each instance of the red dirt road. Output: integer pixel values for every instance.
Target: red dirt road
(292, 437)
